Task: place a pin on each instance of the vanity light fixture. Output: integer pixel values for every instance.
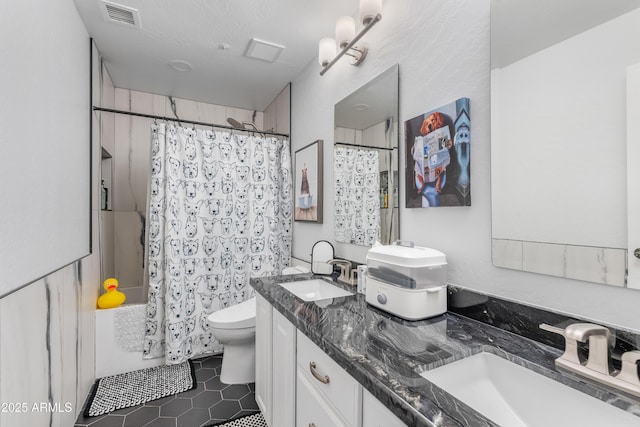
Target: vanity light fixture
(346, 37)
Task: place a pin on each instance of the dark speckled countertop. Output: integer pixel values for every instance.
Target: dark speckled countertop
(386, 354)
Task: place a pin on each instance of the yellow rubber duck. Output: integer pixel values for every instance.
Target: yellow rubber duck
(113, 297)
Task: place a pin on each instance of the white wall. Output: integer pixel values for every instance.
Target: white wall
(443, 52)
(44, 141)
(47, 328)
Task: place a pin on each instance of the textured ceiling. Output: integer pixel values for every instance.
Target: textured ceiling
(192, 30)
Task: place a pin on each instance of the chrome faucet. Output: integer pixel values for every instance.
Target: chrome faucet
(347, 275)
(597, 367)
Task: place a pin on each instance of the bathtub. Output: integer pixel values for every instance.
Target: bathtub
(119, 339)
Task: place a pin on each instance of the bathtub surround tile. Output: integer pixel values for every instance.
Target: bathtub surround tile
(210, 113)
(107, 91)
(107, 244)
(129, 248)
(141, 102)
(194, 408)
(184, 109)
(131, 162)
(277, 115)
(135, 294)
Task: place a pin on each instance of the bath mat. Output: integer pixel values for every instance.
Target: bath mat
(138, 387)
(253, 420)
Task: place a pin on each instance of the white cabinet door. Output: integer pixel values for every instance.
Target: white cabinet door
(284, 372)
(312, 408)
(263, 358)
(339, 388)
(375, 414)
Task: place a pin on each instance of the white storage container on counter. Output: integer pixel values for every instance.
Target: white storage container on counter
(407, 281)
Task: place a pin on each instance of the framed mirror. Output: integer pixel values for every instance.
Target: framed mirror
(559, 135)
(366, 163)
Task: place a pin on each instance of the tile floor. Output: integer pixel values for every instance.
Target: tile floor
(210, 402)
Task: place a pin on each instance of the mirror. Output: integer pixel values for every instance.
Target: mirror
(559, 135)
(366, 163)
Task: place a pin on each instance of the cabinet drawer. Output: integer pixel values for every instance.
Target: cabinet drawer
(341, 390)
(312, 408)
(375, 414)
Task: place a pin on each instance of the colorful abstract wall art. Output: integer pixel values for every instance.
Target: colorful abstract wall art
(438, 157)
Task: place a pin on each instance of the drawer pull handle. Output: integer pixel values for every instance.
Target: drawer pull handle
(312, 424)
(322, 379)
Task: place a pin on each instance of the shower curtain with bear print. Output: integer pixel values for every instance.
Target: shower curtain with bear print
(220, 209)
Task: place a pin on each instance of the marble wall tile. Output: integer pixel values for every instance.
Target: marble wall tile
(129, 250)
(277, 116)
(25, 369)
(90, 284)
(184, 108)
(348, 136)
(141, 102)
(507, 253)
(592, 264)
(544, 258)
(131, 160)
(107, 244)
(107, 125)
(47, 346)
(135, 294)
(601, 265)
(210, 113)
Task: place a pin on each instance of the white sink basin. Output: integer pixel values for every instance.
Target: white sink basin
(512, 395)
(314, 290)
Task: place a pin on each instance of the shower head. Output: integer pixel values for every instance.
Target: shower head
(243, 125)
(236, 124)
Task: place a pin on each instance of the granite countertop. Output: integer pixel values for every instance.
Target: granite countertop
(386, 354)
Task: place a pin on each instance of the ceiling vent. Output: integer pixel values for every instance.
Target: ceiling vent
(262, 50)
(119, 14)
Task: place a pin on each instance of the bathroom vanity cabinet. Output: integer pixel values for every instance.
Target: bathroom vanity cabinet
(378, 365)
(297, 384)
(275, 365)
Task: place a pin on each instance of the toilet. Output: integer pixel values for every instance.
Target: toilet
(235, 328)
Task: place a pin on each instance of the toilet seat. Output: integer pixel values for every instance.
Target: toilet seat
(239, 316)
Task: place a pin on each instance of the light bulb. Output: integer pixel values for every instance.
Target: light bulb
(345, 30)
(326, 50)
(369, 9)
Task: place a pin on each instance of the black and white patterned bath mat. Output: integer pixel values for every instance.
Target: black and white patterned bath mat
(138, 387)
(253, 420)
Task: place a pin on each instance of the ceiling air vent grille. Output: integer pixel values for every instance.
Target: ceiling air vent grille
(120, 14)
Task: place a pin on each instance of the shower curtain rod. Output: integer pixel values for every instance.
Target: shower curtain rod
(170, 119)
(365, 146)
